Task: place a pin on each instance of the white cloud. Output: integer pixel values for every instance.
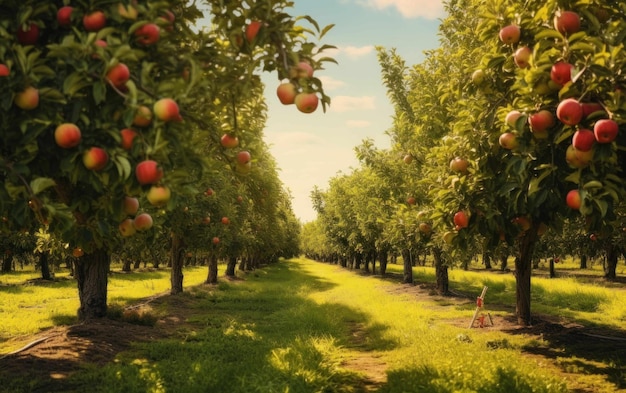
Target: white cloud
(358, 123)
(355, 52)
(347, 103)
(331, 83)
(430, 9)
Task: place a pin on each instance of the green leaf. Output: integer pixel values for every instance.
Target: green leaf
(40, 184)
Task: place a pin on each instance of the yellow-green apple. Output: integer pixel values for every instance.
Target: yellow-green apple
(408, 159)
(424, 227)
(229, 141)
(4, 70)
(148, 34)
(143, 116)
(252, 30)
(225, 220)
(94, 21)
(410, 200)
(127, 11)
(460, 219)
(569, 111)
(286, 93)
(302, 70)
(306, 102)
(28, 35)
(67, 135)
(511, 118)
(148, 172)
(459, 165)
(95, 158)
(27, 99)
(541, 120)
(449, 236)
(591, 108)
(605, 130)
(576, 158)
(158, 195)
(130, 205)
(583, 140)
(143, 222)
(243, 157)
(510, 34)
(478, 77)
(508, 140)
(215, 240)
(522, 56)
(127, 227)
(64, 16)
(573, 199)
(118, 75)
(567, 22)
(128, 136)
(561, 73)
(243, 169)
(166, 109)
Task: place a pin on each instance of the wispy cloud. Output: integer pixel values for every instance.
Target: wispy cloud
(355, 52)
(347, 103)
(331, 83)
(358, 123)
(430, 9)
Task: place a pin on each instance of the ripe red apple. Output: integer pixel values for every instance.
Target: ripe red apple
(128, 136)
(576, 158)
(541, 121)
(573, 199)
(209, 192)
(306, 102)
(567, 22)
(215, 240)
(460, 219)
(252, 29)
(225, 220)
(148, 172)
(583, 139)
(28, 35)
(410, 200)
(127, 11)
(508, 140)
(4, 70)
(510, 34)
(569, 111)
(229, 141)
(243, 157)
(158, 195)
(459, 165)
(143, 222)
(143, 117)
(95, 158)
(101, 43)
(118, 75)
(130, 205)
(286, 93)
(94, 21)
(147, 34)
(127, 227)
(561, 73)
(64, 16)
(77, 252)
(605, 130)
(522, 56)
(593, 237)
(67, 135)
(302, 70)
(511, 118)
(166, 109)
(27, 99)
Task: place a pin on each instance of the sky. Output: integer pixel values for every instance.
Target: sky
(310, 149)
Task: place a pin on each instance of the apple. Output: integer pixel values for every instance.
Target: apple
(306, 102)
(243, 169)
(206, 220)
(229, 141)
(130, 205)
(167, 20)
(143, 222)
(118, 75)
(239, 199)
(67, 135)
(94, 21)
(424, 228)
(449, 236)
(508, 140)
(541, 121)
(64, 16)
(478, 77)
(209, 192)
(147, 34)
(408, 159)
(576, 158)
(410, 200)
(460, 219)
(101, 43)
(243, 157)
(459, 165)
(27, 99)
(128, 136)
(166, 109)
(215, 240)
(522, 56)
(569, 111)
(302, 70)
(143, 116)
(286, 93)
(28, 35)
(148, 172)
(593, 237)
(605, 130)
(4, 70)
(225, 220)
(77, 252)
(127, 227)
(158, 195)
(573, 199)
(127, 11)
(567, 22)
(561, 73)
(510, 34)
(95, 158)
(511, 118)
(252, 29)
(590, 108)
(583, 140)
(523, 222)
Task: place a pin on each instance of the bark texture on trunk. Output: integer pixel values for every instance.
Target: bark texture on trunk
(408, 267)
(611, 262)
(523, 269)
(212, 274)
(441, 272)
(44, 264)
(383, 258)
(91, 272)
(230, 266)
(177, 259)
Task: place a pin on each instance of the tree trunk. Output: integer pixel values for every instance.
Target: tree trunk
(7, 258)
(583, 261)
(230, 266)
(91, 272)
(523, 269)
(408, 267)
(126, 265)
(441, 272)
(44, 264)
(487, 260)
(212, 276)
(611, 262)
(552, 271)
(504, 262)
(177, 259)
(382, 258)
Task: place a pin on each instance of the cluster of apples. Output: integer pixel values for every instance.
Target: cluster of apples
(134, 222)
(243, 157)
(290, 93)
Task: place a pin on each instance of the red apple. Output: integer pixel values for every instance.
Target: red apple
(301, 70)
(567, 22)
(508, 140)
(128, 136)
(510, 34)
(522, 56)
(229, 141)
(541, 121)
(127, 228)
(95, 158)
(209, 192)
(67, 135)
(206, 220)
(605, 130)
(94, 21)
(118, 75)
(147, 34)
(143, 222)
(143, 116)
(27, 99)
(576, 158)
(286, 93)
(148, 172)
(239, 199)
(583, 140)
(130, 205)
(166, 109)
(252, 29)
(215, 240)
(127, 11)
(573, 199)
(569, 111)
(460, 219)
(64, 16)
(28, 35)
(459, 165)
(158, 195)
(511, 118)
(225, 220)
(4, 70)
(243, 157)
(593, 237)
(306, 102)
(410, 200)
(77, 252)
(561, 73)
(101, 43)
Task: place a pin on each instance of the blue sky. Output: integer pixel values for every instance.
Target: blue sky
(311, 149)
